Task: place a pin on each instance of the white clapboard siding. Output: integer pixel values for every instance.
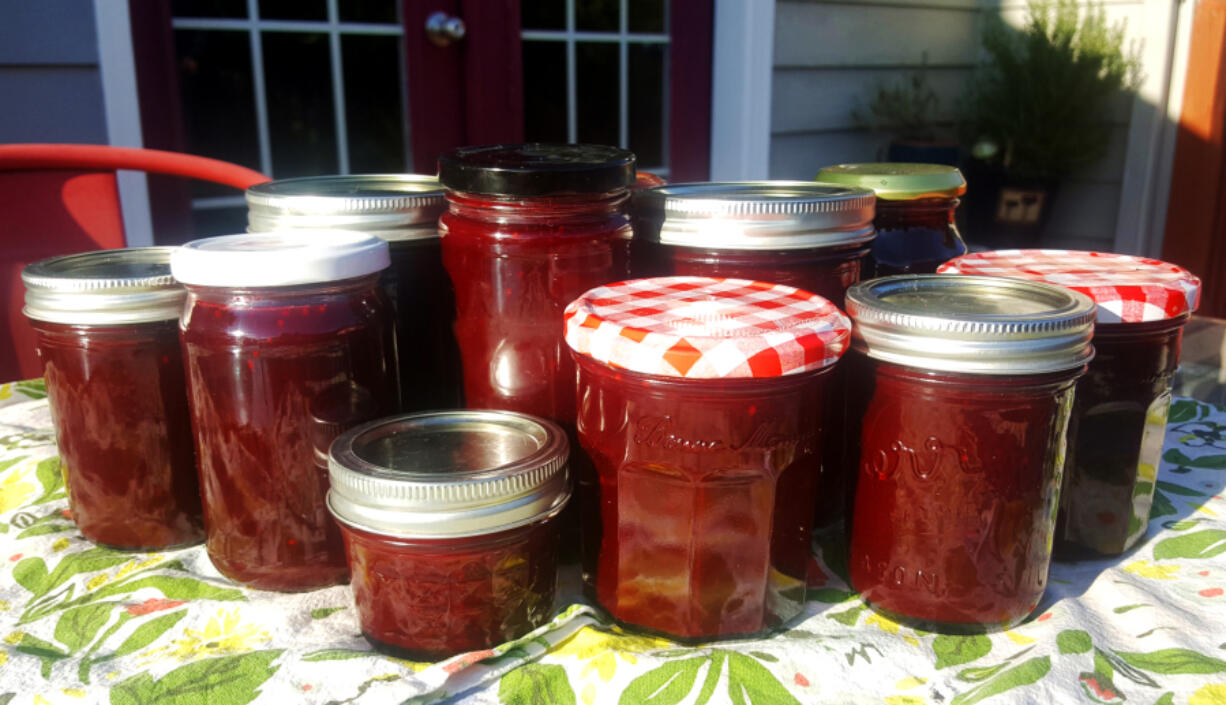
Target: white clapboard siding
(830, 56)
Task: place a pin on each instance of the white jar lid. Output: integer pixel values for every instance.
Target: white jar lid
(285, 258)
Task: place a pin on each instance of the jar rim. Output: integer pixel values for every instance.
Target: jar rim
(448, 473)
(390, 206)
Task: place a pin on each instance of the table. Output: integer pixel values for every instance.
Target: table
(84, 624)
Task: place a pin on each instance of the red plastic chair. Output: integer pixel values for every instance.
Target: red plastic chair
(58, 199)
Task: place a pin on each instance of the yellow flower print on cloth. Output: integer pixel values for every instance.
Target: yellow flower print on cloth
(17, 486)
(224, 634)
(601, 649)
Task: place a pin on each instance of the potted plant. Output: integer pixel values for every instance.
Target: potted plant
(1034, 114)
(907, 111)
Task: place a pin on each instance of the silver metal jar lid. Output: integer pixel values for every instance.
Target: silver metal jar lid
(107, 287)
(394, 207)
(448, 473)
(755, 215)
(971, 325)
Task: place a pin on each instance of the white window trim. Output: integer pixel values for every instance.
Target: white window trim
(741, 70)
(122, 108)
(1154, 125)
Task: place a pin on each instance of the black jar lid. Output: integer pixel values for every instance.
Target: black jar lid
(536, 169)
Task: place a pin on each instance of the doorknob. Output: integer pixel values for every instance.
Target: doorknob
(443, 29)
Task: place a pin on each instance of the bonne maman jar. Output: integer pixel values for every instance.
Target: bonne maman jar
(960, 394)
(700, 409)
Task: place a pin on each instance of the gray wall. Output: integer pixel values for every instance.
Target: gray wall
(50, 85)
(830, 55)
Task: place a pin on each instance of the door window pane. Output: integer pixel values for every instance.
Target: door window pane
(301, 121)
(218, 101)
(647, 15)
(384, 11)
(648, 99)
(545, 91)
(229, 9)
(543, 14)
(598, 100)
(293, 10)
(374, 100)
(596, 15)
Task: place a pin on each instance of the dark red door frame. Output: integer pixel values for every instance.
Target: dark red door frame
(472, 92)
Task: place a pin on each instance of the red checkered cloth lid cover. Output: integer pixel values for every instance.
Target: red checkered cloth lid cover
(706, 328)
(1127, 289)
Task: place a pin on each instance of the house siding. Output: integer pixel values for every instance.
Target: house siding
(830, 56)
(49, 76)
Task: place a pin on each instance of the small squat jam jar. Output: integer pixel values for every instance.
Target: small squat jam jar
(402, 209)
(107, 327)
(287, 340)
(915, 213)
(529, 227)
(450, 523)
(810, 236)
(1119, 416)
(700, 406)
(964, 386)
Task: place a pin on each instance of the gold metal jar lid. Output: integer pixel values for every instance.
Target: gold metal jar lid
(898, 181)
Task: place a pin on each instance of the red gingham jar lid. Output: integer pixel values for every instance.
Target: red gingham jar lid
(706, 328)
(1127, 289)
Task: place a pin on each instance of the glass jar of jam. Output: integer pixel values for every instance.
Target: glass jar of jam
(402, 209)
(915, 213)
(450, 524)
(529, 227)
(287, 341)
(107, 329)
(1119, 416)
(800, 234)
(700, 407)
(962, 389)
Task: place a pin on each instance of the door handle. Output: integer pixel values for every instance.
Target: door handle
(443, 30)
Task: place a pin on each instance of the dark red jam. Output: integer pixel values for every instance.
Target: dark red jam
(515, 264)
(119, 407)
(529, 228)
(955, 501)
(427, 599)
(701, 524)
(274, 374)
(914, 236)
(1116, 437)
(825, 271)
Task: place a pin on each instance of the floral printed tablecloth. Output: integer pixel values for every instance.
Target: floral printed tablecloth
(84, 624)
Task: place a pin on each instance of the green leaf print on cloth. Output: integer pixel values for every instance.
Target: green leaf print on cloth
(233, 680)
(85, 624)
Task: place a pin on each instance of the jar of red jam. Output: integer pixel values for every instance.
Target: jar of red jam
(402, 209)
(529, 227)
(962, 389)
(287, 341)
(700, 406)
(915, 213)
(450, 523)
(800, 234)
(1119, 416)
(107, 329)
